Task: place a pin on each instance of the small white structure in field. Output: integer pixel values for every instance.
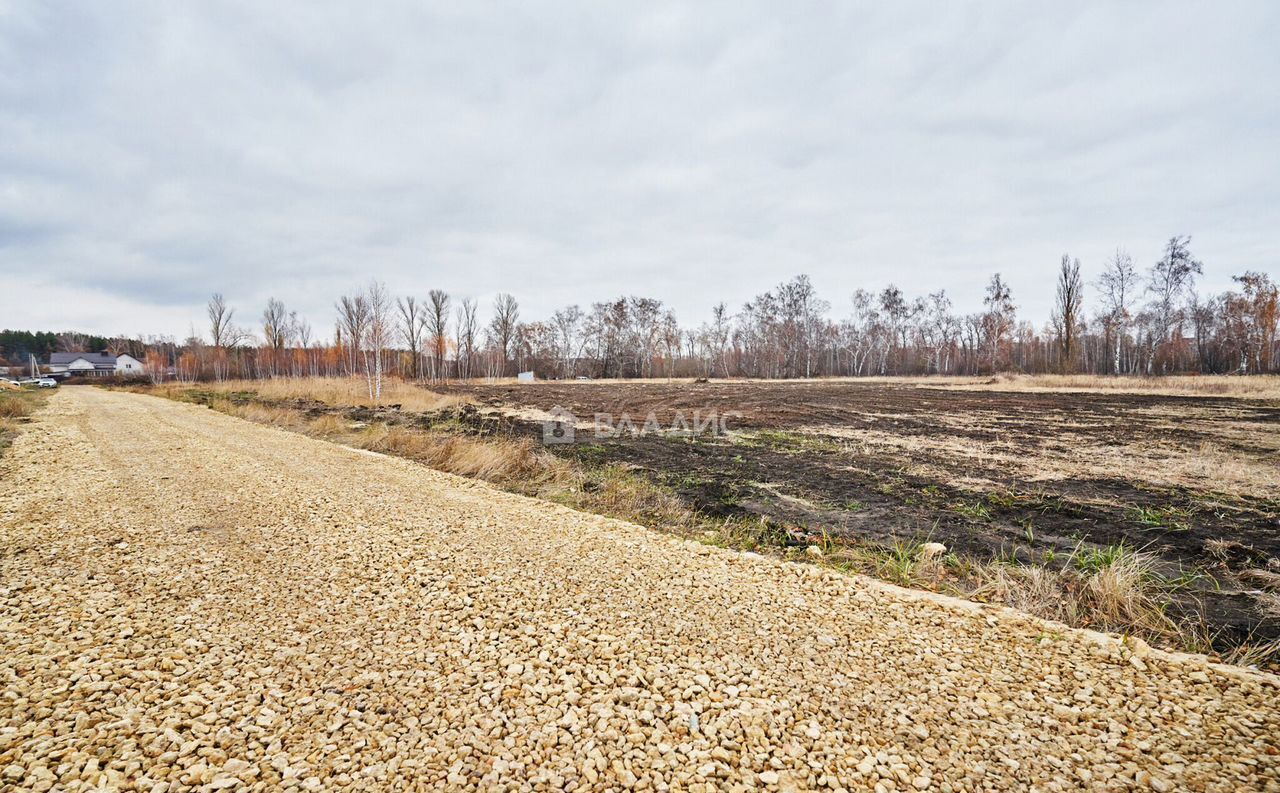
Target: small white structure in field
(524, 377)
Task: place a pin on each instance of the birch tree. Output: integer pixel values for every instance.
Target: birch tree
(1118, 286)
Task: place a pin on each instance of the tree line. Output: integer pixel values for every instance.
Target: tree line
(1126, 320)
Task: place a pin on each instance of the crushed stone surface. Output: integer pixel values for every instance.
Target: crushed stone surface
(189, 601)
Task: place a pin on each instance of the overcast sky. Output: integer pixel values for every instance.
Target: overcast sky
(153, 153)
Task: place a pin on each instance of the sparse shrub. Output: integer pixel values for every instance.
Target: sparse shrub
(1037, 590)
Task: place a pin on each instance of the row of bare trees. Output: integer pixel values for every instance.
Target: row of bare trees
(1126, 320)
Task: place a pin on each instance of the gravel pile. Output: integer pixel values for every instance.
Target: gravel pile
(193, 602)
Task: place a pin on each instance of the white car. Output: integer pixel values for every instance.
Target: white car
(47, 382)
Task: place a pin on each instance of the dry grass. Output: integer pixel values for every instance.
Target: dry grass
(263, 414)
(15, 405)
(338, 391)
(329, 425)
(504, 461)
(1251, 387)
(1114, 588)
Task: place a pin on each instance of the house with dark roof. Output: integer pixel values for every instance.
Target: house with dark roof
(93, 364)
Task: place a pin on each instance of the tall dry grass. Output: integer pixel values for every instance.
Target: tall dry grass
(15, 404)
(16, 407)
(340, 391)
(501, 461)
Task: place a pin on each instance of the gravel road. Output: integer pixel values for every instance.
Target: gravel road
(192, 601)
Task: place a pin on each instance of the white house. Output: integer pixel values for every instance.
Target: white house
(94, 364)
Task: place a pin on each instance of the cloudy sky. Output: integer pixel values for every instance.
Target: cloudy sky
(152, 152)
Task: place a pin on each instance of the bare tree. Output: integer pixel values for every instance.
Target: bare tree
(800, 311)
(1170, 282)
(225, 334)
(1253, 315)
(861, 332)
(643, 333)
(940, 331)
(302, 332)
(1118, 286)
(784, 332)
(998, 320)
(899, 316)
(412, 322)
(502, 328)
(606, 334)
(567, 325)
(353, 322)
(275, 329)
(467, 327)
(719, 336)
(275, 323)
(219, 320)
(438, 330)
(1067, 310)
(378, 332)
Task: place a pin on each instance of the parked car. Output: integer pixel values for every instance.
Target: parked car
(47, 382)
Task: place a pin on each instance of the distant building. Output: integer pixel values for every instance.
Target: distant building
(94, 364)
